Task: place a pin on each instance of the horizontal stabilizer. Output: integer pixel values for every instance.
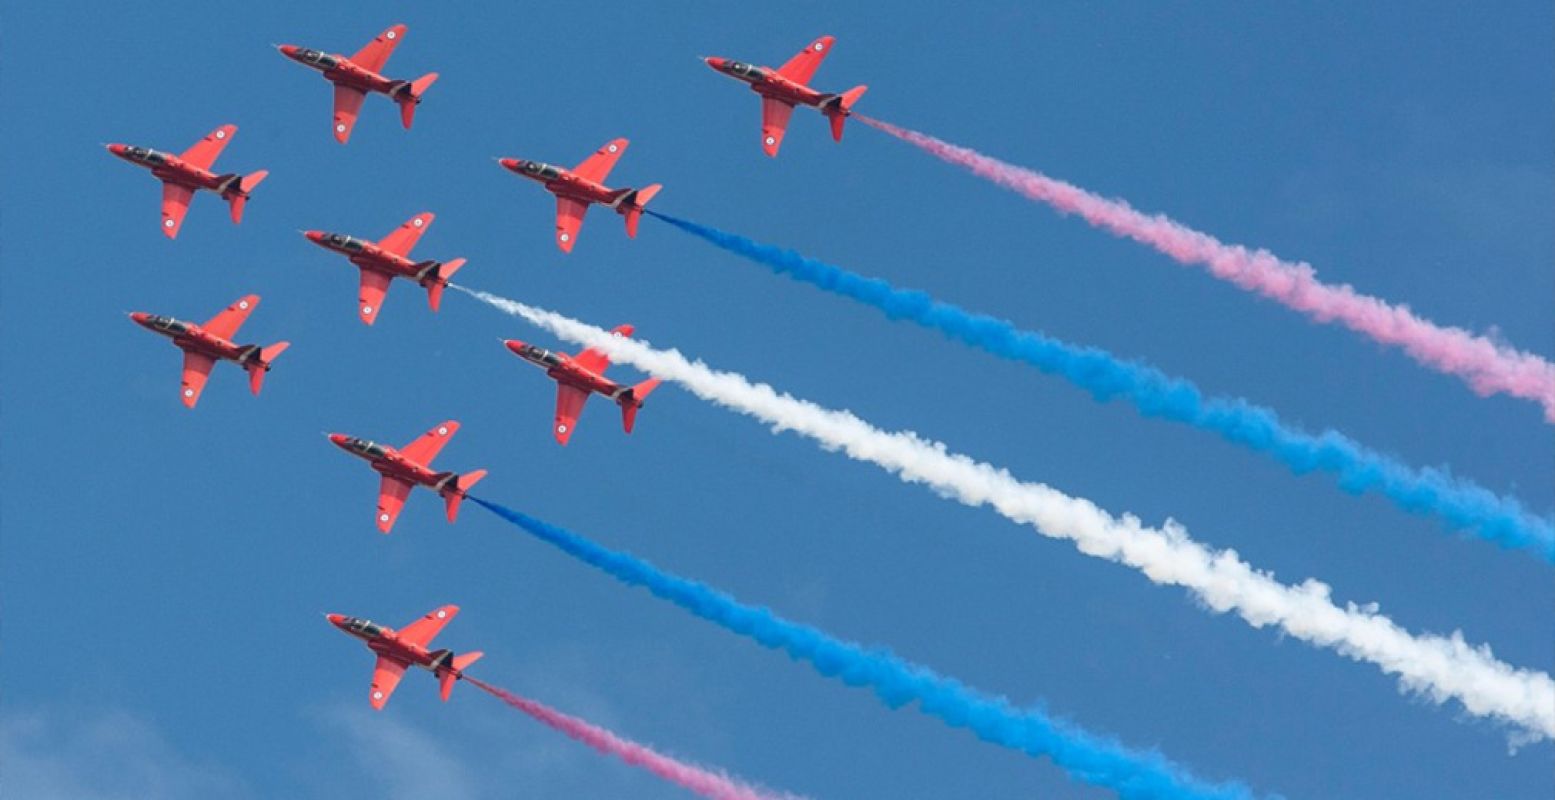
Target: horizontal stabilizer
(454, 495)
(258, 367)
(838, 108)
(438, 281)
(632, 399)
(446, 678)
(410, 97)
(632, 208)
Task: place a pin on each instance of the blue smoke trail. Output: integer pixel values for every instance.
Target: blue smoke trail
(1460, 504)
(1086, 757)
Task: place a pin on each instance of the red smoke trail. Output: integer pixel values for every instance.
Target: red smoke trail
(693, 779)
(1487, 367)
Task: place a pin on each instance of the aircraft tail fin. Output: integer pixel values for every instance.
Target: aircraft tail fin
(838, 108)
(454, 495)
(439, 281)
(632, 209)
(410, 96)
(237, 196)
(632, 399)
(261, 365)
(446, 678)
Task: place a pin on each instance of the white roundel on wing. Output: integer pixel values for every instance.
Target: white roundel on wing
(565, 237)
(340, 126)
(819, 47)
(771, 140)
(367, 309)
(390, 35)
(441, 613)
(221, 134)
(613, 148)
(383, 517)
(561, 428)
(419, 222)
(188, 393)
(442, 430)
(243, 304)
(167, 223)
(377, 695)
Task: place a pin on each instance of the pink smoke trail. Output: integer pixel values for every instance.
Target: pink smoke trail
(690, 778)
(1487, 367)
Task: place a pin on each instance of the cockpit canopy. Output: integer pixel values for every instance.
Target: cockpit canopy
(539, 355)
(746, 70)
(167, 324)
(344, 242)
(540, 169)
(322, 59)
(145, 154)
(365, 447)
(363, 627)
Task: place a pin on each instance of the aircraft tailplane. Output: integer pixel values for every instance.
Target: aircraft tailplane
(632, 399)
(258, 367)
(446, 678)
(410, 96)
(632, 208)
(454, 495)
(837, 109)
(438, 281)
(237, 196)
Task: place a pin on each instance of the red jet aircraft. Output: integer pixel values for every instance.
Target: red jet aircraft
(583, 185)
(204, 345)
(397, 650)
(188, 172)
(785, 87)
(579, 376)
(382, 262)
(407, 468)
(356, 76)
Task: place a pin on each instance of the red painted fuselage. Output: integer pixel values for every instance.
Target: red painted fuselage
(339, 69)
(367, 255)
(391, 463)
(564, 370)
(766, 82)
(172, 169)
(563, 182)
(386, 642)
(191, 337)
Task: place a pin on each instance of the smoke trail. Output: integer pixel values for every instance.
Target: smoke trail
(1460, 504)
(1486, 366)
(686, 776)
(1438, 667)
(1084, 756)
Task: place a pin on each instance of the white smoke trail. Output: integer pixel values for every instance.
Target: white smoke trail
(1438, 667)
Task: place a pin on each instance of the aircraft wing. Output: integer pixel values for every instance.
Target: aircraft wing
(197, 368)
(569, 218)
(402, 239)
(597, 166)
(376, 53)
(226, 323)
(774, 121)
(422, 631)
(429, 444)
(391, 498)
(569, 404)
(370, 293)
(596, 361)
(801, 67)
(203, 153)
(348, 103)
(175, 204)
(386, 676)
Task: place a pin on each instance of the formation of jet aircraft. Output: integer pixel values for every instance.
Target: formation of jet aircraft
(379, 262)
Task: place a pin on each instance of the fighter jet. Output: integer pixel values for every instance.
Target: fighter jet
(188, 172)
(583, 185)
(785, 87)
(579, 376)
(204, 345)
(397, 650)
(383, 261)
(409, 467)
(356, 76)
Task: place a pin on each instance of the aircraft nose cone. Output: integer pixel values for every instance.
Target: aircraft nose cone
(139, 317)
(117, 149)
(509, 163)
(513, 344)
(715, 62)
(339, 439)
(316, 237)
(335, 619)
(290, 51)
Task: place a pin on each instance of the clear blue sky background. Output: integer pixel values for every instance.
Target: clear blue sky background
(164, 570)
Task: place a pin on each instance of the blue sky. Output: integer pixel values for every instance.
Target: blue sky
(163, 570)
